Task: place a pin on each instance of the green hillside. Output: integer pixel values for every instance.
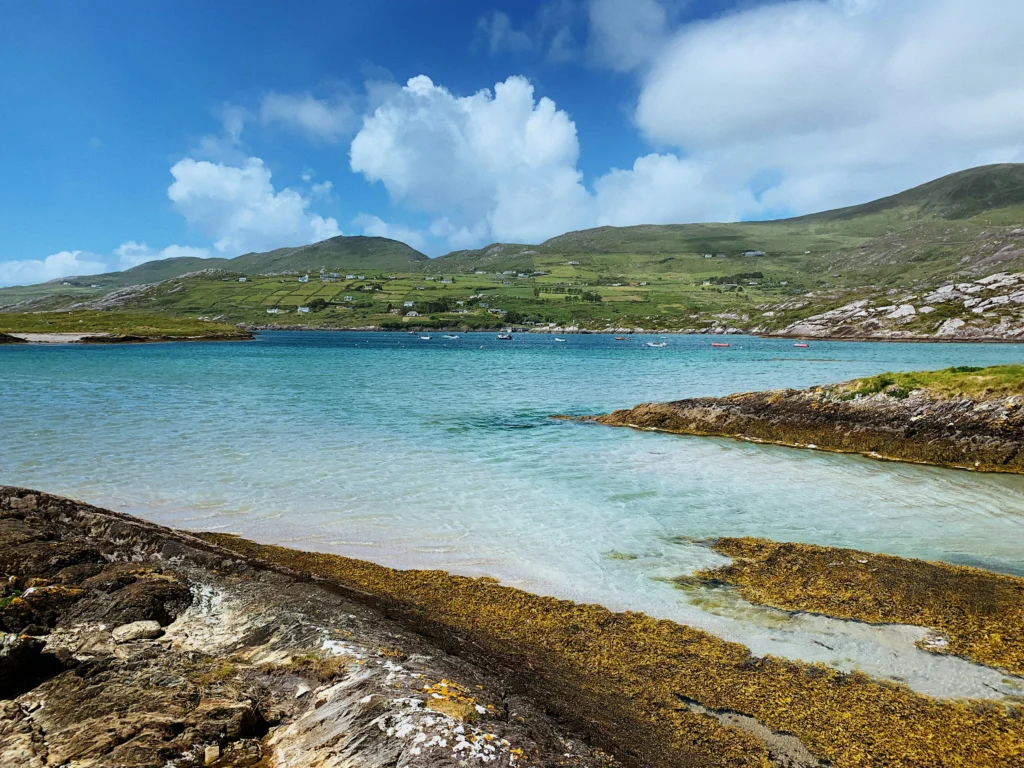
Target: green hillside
(748, 275)
(336, 254)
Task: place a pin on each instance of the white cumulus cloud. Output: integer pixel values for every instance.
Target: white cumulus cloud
(843, 100)
(498, 165)
(238, 207)
(63, 264)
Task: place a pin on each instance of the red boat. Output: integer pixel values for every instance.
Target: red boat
(802, 346)
(622, 338)
(718, 344)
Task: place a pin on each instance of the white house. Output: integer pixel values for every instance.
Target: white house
(304, 279)
(412, 314)
(303, 310)
(348, 298)
(273, 311)
(410, 304)
(753, 253)
(242, 279)
(360, 277)
(350, 277)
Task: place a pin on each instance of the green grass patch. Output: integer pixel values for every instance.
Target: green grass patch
(962, 381)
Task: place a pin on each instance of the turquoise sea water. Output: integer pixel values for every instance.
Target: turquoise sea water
(441, 454)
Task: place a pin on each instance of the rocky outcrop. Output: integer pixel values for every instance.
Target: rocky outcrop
(988, 309)
(905, 426)
(7, 339)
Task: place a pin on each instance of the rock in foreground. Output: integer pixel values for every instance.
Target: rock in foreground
(275, 657)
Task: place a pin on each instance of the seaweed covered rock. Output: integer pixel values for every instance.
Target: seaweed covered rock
(881, 418)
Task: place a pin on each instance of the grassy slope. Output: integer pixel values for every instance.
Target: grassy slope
(117, 323)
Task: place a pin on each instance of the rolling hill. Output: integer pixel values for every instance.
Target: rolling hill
(338, 253)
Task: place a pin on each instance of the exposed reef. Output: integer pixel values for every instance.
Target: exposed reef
(978, 614)
(880, 417)
(233, 653)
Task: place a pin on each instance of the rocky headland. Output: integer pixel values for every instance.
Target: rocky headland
(968, 418)
(128, 644)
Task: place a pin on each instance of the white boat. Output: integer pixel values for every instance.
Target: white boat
(505, 337)
(558, 339)
(449, 336)
(426, 338)
(658, 344)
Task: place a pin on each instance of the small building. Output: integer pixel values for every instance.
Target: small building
(420, 288)
(446, 282)
(273, 311)
(412, 314)
(709, 255)
(350, 277)
(409, 304)
(360, 277)
(348, 298)
(242, 279)
(573, 263)
(303, 310)
(753, 253)
(481, 272)
(304, 279)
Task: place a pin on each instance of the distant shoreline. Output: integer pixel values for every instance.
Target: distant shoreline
(646, 332)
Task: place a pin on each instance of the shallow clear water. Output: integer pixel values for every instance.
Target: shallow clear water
(440, 453)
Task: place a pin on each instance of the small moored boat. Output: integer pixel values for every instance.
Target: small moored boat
(426, 338)
(622, 338)
(802, 346)
(656, 344)
(450, 336)
(719, 344)
(505, 337)
(558, 339)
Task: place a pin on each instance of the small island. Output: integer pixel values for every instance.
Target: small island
(966, 417)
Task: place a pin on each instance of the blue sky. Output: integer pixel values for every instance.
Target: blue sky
(132, 131)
